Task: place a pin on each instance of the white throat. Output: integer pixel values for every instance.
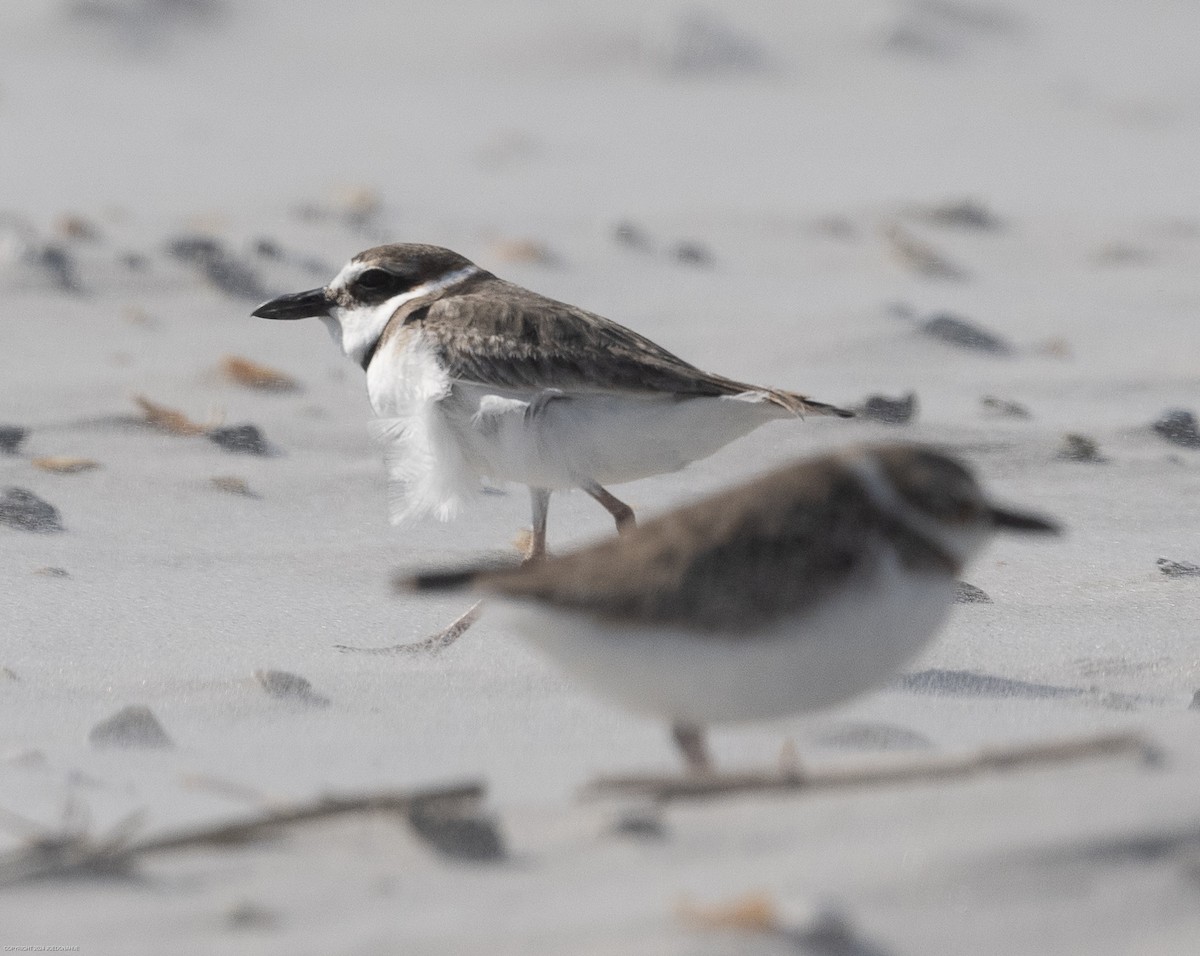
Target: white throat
(357, 330)
(961, 543)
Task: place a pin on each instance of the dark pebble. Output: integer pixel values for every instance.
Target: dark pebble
(246, 439)
(693, 254)
(210, 258)
(969, 594)
(134, 261)
(1004, 407)
(1178, 569)
(1195, 701)
(628, 234)
(1178, 426)
(964, 214)
(132, 726)
(11, 437)
(268, 249)
(284, 685)
(1077, 447)
(955, 331)
(24, 510)
(57, 262)
(643, 823)
(891, 411)
(456, 834)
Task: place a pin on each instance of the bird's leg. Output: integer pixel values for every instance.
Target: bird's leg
(620, 511)
(690, 740)
(537, 538)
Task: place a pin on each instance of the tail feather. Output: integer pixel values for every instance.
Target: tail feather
(802, 405)
(450, 579)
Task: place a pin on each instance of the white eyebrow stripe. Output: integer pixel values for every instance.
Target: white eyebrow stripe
(883, 494)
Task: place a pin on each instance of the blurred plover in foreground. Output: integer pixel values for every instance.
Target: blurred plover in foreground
(791, 593)
(474, 377)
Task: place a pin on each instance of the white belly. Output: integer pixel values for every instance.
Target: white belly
(852, 643)
(444, 437)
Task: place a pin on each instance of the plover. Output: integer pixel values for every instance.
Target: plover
(791, 593)
(477, 378)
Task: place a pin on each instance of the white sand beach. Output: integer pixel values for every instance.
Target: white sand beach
(782, 193)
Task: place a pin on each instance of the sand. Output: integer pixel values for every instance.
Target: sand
(785, 146)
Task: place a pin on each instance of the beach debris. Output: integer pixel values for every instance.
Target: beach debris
(283, 685)
(1077, 447)
(62, 465)
(1004, 408)
(524, 252)
(965, 213)
(22, 509)
(134, 261)
(72, 851)
(705, 44)
(245, 439)
(168, 419)
(252, 374)
(965, 593)
(820, 929)
(1122, 254)
(756, 913)
(953, 330)
(882, 770)
(58, 264)
(8, 676)
(840, 228)
(75, 227)
(29, 759)
(1178, 426)
(1055, 347)
(248, 915)
(692, 254)
(1177, 569)
(941, 29)
(919, 256)
(891, 411)
(627, 233)
(456, 831)
(210, 259)
(642, 822)
(266, 248)
(132, 726)
(870, 735)
(11, 437)
(232, 485)
(52, 572)
(1195, 704)
(431, 645)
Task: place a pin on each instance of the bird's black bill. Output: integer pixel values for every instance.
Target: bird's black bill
(1016, 521)
(299, 305)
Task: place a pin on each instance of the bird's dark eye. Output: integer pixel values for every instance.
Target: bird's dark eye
(373, 280)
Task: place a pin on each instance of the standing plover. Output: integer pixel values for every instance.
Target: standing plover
(791, 593)
(474, 377)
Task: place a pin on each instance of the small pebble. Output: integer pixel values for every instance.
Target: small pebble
(632, 235)
(27, 759)
(57, 262)
(247, 915)
(1177, 569)
(963, 214)
(284, 685)
(524, 252)
(76, 227)
(1195, 701)
(693, 254)
(456, 834)
(51, 572)
(219, 267)
(1005, 408)
(642, 823)
(22, 509)
(1077, 447)
(255, 375)
(268, 249)
(955, 331)
(1178, 426)
(11, 437)
(246, 439)
(965, 593)
(891, 411)
(62, 465)
(921, 257)
(8, 675)
(233, 485)
(132, 726)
